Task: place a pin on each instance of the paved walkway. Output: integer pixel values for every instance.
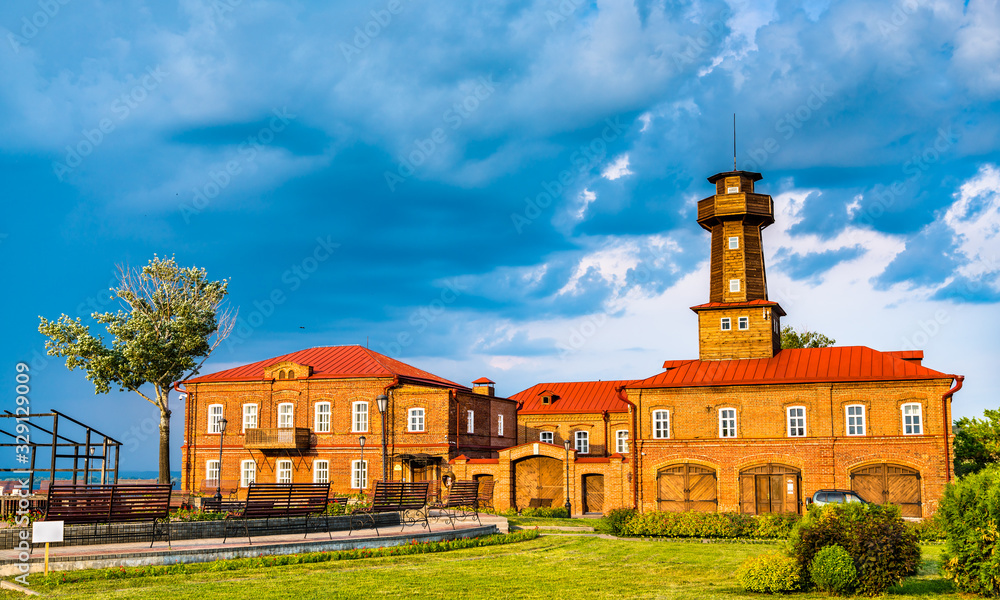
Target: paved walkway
(132, 554)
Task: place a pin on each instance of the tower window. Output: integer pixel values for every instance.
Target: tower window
(744, 322)
(733, 189)
(734, 285)
(734, 243)
(727, 323)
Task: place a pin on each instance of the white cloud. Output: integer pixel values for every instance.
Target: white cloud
(617, 169)
(975, 219)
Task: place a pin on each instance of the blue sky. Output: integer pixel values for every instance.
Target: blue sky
(504, 190)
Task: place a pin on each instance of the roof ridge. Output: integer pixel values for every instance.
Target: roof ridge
(374, 356)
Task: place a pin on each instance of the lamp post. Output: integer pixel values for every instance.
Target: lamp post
(383, 403)
(566, 444)
(362, 471)
(218, 478)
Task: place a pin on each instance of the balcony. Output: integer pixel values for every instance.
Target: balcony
(285, 438)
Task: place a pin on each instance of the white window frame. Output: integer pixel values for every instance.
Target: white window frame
(286, 415)
(860, 423)
(470, 421)
(727, 423)
(734, 286)
(793, 424)
(321, 467)
(581, 441)
(359, 475)
(734, 242)
(621, 441)
(661, 424)
(248, 467)
(216, 412)
(743, 323)
(251, 418)
(726, 324)
(415, 420)
(213, 464)
(547, 434)
(359, 417)
(500, 425)
(283, 470)
(321, 424)
(916, 427)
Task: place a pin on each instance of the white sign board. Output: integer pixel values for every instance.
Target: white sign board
(46, 531)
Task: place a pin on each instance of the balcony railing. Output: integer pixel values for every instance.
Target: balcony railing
(285, 438)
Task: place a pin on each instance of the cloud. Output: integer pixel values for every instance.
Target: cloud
(616, 169)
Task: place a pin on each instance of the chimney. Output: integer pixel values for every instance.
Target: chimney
(483, 386)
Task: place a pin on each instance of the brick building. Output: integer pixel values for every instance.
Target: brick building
(300, 417)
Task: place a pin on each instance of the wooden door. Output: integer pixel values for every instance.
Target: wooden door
(670, 484)
(703, 489)
(687, 487)
(539, 481)
(593, 493)
(428, 473)
(769, 489)
(890, 483)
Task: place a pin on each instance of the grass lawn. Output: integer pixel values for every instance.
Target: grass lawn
(529, 522)
(547, 567)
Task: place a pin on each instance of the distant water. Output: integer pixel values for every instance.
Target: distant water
(175, 476)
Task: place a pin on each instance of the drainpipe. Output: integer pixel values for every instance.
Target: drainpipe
(607, 440)
(517, 409)
(385, 391)
(959, 379)
(623, 396)
(458, 419)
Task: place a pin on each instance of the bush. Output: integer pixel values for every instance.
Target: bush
(883, 548)
(928, 530)
(546, 512)
(832, 570)
(970, 511)
(769, 573)
(614, 522)
(709, 525)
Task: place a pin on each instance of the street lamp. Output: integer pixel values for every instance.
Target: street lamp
(383, 403)
(362, 471)
(566, 444)
(218, 477)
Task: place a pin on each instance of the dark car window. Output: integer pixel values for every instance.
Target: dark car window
(854, 498)
(820, 497)
(835, 497)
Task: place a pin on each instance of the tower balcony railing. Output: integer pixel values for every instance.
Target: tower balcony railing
(282, 438)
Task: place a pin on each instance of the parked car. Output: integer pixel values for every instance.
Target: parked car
(822, 497)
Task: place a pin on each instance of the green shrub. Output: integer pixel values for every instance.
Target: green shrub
(769, 573)
(883, 548)
(558, 512)
(970, 511)
(832, 570)
(614, 522)
(708, 525)
(928, 530)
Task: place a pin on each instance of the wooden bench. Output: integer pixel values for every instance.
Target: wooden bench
(485, 499)
(408, 498)
(462, 502)
(282, 500)
(229, 487)
(110, 504)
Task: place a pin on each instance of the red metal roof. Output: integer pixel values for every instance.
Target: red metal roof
(749, 304)
(333, 362)
(573, 397)
(483, 380)
(799, 365)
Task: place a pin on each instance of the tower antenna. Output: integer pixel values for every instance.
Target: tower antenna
(734, 141)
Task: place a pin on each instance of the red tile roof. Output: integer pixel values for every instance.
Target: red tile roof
(333, 362)
(573, 397)
(800, 365)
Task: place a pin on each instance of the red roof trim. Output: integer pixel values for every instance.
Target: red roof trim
(593, 459)
(483, 461)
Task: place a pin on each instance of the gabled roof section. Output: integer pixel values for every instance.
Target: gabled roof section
(572, 397)
(798, 365)
(333, 362)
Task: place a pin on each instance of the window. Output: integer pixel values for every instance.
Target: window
(249, 416)
(732, 189)
(500, 425)
(796, 421)
(321, 471)
(547, 436)
(214, 418)
(286, 415)
(727, 323)
(284, 471)
(248, 473)
(912, 423)
(661, 424)
(360, 419)
(734, 285)
(212, 471)
(734, 243)
(359, 474)
(322, 424)
(855, 419)
(470, 424)
(727, 423)
(621, 441)
(582, 442)
(416, 419)
(744, 322)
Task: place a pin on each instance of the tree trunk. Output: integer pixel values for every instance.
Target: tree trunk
(164, 443)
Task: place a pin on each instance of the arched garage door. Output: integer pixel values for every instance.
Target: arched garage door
(687, 487)
(539, 481)
(890, 483)
(770, 489)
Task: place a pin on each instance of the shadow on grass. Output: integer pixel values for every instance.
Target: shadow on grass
(927, 582)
